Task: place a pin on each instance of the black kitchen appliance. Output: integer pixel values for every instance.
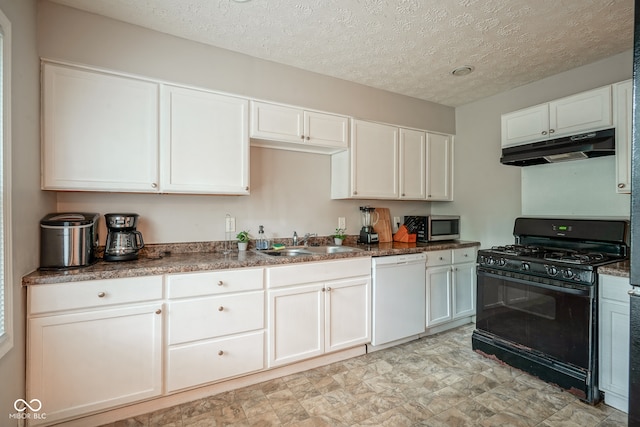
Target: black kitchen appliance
(537, 298)
(367, 233)
(634, 292)
(123, 240)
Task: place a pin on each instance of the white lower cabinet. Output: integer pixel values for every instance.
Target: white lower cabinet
(450, 288)
(215, 326)
(613, 330)
(318, 308)
(98, 349)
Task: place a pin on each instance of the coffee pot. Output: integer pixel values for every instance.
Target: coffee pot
(123, 240)
(367, 234)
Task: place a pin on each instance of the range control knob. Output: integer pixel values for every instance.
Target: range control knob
(568, 274)
(491, 260)
(552, 270)
(502, 262)
(525, 266)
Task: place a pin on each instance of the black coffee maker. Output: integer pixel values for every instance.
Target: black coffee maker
(123, 240)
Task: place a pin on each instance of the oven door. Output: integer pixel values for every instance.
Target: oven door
(548, 319)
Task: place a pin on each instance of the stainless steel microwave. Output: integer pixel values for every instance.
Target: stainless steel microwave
(434, 227)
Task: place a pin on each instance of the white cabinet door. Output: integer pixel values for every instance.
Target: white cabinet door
(585, 111)
(100, 131)
(413, 161)
(374, 160)
(347, 313)
(614, 340)
(439, 167)
(291, 128)
(529, 124)
(327, 130)
(464, 290)
(276, 122)
(88, 361)
(622, 113)
(438, 302)
(296, 323)
(205, 143)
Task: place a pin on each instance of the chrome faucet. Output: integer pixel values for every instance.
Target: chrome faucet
(305, 239)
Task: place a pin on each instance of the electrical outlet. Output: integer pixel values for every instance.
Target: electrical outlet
(396, 221)
(342, 222)
(230, 224)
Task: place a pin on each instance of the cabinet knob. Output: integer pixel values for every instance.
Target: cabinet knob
(329, 289)
(308, 138)
(440, 258)
(154, 185)
(551, 130)
(301, 136)
(220, 283)
(101, 294)
(466, 255)
(158, 311)
(403, 194)
(221, 308)
(220, 352)
(621, 185)
(324, 290)
(544, 132)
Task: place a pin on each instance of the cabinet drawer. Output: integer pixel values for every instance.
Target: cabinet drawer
(202, 362)
(464, 255)
(191, 320)
(436, 258)
(615, 288)
(93, 293)
(314, 272)
(214, 282)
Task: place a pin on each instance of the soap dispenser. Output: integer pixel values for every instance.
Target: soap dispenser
(261, 243)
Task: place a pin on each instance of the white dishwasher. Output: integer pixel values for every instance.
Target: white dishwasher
(398, 300)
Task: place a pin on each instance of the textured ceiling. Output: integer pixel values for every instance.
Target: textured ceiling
(403, 46)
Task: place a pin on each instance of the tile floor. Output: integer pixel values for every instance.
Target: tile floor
(434, 381)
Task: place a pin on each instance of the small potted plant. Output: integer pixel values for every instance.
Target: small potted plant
(339, 236)
(243, 240)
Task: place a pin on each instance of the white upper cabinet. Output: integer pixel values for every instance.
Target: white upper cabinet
(291, 128)
(388, 162)
(578, 113)
(109, 132)
(413, 164)
(374, 160)
(622, 113)
(100, 131)
(439, 167)
(205, 142)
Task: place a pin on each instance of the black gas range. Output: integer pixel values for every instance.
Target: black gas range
(537, 298)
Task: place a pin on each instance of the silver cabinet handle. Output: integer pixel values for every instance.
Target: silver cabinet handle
(544, 132)
(551, 130)
(158, 311)
(154, 185)
(301, 136)
(220, 352)
(221, 308)
(329, 289)
(621, 185)
(220, 283)
(101, 294)
(308, 138)
(634, 292)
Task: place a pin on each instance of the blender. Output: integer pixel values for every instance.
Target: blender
(123, 240)
(367, 235)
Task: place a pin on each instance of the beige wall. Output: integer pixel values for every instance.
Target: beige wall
(489, 196)
(289, 191)
(28, 204)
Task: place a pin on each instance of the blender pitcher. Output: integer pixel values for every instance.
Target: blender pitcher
(367, 214)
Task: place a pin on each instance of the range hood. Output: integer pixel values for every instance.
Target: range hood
(575, 147)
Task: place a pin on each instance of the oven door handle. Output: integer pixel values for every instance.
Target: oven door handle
(572, 291)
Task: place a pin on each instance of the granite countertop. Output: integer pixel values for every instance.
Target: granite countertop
(180, 258)
(620, 269)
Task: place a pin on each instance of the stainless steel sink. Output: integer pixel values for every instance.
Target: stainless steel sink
(333, 249)
(309, 250)
(286, 252)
